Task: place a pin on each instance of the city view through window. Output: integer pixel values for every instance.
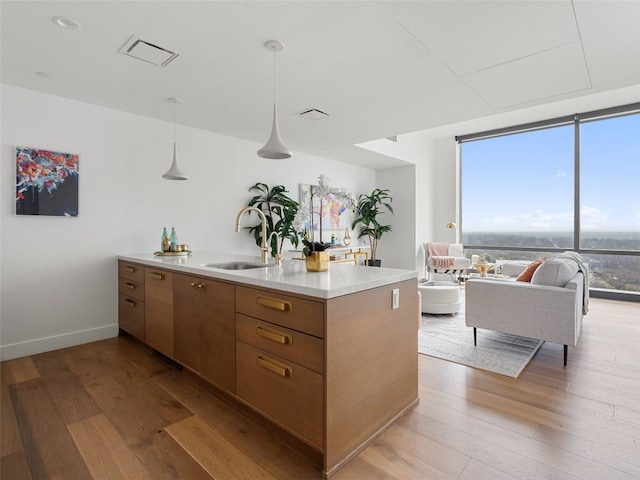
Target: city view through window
(518, 197)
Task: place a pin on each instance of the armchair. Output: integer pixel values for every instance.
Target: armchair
(444, 258)
(550, 308)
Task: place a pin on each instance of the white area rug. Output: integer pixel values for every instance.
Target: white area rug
(448, 338)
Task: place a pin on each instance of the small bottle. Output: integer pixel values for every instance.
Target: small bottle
(163, 239)
(174, 238)
(333, 239)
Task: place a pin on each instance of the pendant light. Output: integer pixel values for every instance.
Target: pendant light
(274, 147)
(174, 172)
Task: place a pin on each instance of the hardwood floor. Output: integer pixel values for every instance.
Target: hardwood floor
(114, 409)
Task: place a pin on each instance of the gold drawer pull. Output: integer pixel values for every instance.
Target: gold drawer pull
(274, 335)
(198, 285)
(274, 303)
(131, 303)
(157, 276)
(130, 269)
(275, 366)
(130, 286)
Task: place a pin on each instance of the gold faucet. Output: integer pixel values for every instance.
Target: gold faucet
(278, 256)
(263, 219)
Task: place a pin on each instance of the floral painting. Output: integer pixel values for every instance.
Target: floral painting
(325, 206)
(46, 182)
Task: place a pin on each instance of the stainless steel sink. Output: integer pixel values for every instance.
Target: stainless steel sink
(235, 265)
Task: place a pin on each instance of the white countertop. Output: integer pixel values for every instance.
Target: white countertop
(290, 276)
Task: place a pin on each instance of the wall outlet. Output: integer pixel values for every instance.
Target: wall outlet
(395, 298)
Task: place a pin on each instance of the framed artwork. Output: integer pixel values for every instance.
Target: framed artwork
(325, 212)
(46, 182)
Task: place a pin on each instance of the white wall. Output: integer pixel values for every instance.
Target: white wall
(426, 195)
(446, 189)
(396, 248)
(420, 194)
(59, 279)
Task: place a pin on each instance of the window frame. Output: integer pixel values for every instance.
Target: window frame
(576, 120)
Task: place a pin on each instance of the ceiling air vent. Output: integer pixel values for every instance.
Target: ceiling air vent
(147, 52)
(313, 114)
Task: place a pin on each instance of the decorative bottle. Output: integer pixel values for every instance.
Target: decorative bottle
(174, 238)
(163, 240)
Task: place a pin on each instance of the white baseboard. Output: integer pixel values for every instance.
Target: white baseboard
(56, 342)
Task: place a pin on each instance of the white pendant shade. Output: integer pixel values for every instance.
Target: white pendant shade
(274, 148)
(174, 172)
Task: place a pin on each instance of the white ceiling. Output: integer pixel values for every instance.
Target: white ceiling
(380, 68)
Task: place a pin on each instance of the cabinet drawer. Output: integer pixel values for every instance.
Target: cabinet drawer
(297, 347)
(287, 393)
(131, 271)
(298, 314)
(131, 316)
(130, 288)
(158, 312)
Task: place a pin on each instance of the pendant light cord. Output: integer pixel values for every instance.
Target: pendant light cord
(175, 119)
(274, 75)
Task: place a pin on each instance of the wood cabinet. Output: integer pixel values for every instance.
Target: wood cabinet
(371, 367)
(204, 328)
(278, 307)
(333, 372)
(158, 311)
(284, 391)
(131, 299)
(280, 359)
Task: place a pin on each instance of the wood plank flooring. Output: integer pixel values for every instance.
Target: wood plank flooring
(116, 410)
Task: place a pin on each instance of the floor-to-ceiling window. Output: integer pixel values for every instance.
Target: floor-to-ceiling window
(570, 183)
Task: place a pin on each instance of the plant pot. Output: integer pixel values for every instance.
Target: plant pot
(374, 263)
(317, 261)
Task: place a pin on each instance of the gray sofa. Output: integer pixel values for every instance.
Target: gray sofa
(550, 308)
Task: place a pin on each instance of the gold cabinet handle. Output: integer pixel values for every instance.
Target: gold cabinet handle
(130, 269)
(274, 303)
(131, 303)
(157, 276)
(275, 366)
(130, 286)
(198, 285)
(274, 335)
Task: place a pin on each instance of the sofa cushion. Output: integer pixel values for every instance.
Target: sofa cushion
(555, 272)
(528, 272)
(513, 268)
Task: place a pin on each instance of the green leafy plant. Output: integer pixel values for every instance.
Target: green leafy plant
(279, 210)
(310, 246)
(367, 210)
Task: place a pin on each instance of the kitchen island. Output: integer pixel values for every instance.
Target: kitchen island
(331, 357)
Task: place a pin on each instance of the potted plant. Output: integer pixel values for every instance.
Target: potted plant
(316, 255)
(279, 210)
(367, 210)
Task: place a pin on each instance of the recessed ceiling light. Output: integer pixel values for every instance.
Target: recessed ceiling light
(66, 22)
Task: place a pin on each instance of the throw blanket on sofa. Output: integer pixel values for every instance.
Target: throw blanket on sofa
(585, 275)
(439, 253)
